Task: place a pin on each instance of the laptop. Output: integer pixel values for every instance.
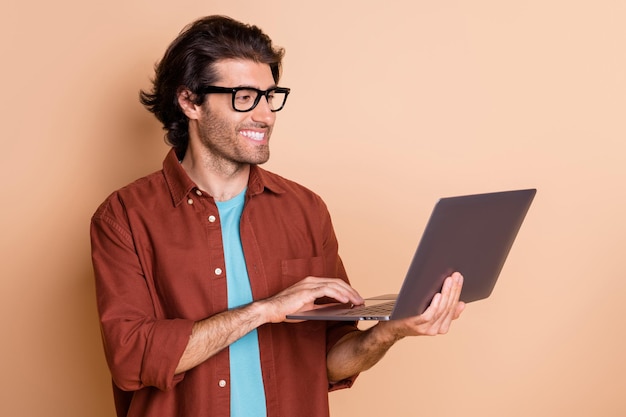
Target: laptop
(471, 234)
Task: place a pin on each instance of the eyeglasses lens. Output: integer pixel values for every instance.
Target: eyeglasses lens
(247, 99)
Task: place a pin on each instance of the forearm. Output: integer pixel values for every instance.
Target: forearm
(211, 335)
(358, 351)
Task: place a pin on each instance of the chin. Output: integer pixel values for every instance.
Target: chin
(260, 161)
(260, 158)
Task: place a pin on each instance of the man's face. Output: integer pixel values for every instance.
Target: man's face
(231, 137)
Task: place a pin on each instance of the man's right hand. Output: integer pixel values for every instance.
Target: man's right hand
(302, 295)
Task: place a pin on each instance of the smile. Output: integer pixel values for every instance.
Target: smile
(258, 136)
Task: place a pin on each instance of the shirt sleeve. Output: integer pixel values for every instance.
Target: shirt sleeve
(141, 346)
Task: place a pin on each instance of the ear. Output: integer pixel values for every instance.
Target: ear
(186, 102)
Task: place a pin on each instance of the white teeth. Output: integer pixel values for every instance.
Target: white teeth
(253, 135)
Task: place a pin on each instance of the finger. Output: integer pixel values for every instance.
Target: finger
(459, 309)
(456, 286)
(430, 314)
(443, 311)
(456, 306)
(453, 293)
(337, 289)
(440, 314)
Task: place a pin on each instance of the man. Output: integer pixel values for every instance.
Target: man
(198, 264)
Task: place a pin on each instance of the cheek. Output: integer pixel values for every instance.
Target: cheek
(217, 127)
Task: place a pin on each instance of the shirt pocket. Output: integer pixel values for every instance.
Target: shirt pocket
(312, 333)
(294, 270)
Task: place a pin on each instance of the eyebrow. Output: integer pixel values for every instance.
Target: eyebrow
(257, 88)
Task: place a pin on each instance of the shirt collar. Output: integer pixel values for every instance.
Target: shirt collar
(180, 185)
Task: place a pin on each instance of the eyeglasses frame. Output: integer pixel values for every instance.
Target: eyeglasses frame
(212, 89)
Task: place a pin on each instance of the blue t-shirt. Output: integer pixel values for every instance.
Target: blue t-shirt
(247, 393)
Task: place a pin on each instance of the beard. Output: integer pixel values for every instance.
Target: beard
(225, 147)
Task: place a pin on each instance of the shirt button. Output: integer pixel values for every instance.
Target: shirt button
(212, 218)
(198, 192)
(218, 271)
(190, 201)
(222, 383)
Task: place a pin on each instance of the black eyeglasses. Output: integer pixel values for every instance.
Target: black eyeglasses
(246, 98)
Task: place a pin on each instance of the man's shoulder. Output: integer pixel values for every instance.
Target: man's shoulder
(147, 184)
(139, 191)
(291, 197)
(278, 183)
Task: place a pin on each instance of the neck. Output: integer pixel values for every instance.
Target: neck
(223, 180)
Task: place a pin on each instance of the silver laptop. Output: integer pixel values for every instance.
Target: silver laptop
(471, 234)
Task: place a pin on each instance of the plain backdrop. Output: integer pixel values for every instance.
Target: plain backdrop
(394, 104)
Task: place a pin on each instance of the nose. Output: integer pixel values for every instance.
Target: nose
(263, 113)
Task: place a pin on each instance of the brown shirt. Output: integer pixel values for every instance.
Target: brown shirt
(159, 267)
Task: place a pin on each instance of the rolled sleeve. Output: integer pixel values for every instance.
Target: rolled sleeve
(163, 350)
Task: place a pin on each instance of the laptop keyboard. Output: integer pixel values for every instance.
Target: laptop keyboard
(383, 309)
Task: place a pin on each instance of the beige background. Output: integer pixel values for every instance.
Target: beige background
(394, 105)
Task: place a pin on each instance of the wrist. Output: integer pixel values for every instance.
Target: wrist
(261, 310)
(385, 333)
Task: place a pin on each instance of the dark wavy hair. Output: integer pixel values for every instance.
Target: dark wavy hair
(188, 63)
